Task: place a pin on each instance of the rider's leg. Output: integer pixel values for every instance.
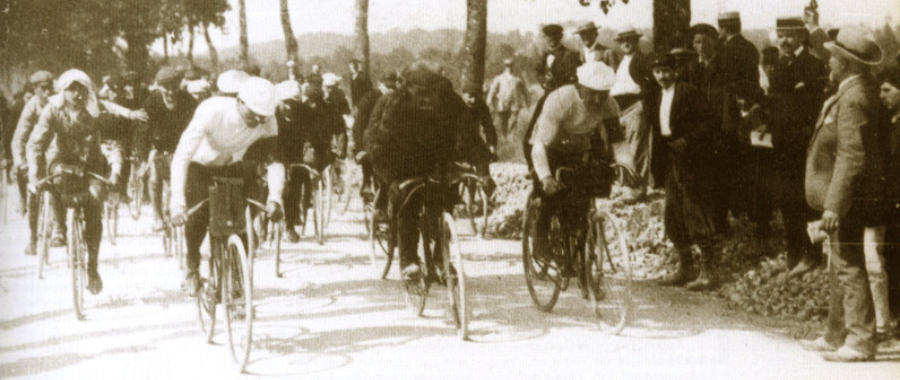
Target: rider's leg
(291, 201)
(22, 184)
(365, 191)
(34, 207)
(196, 190)
(93, 232)
(407, 227)
(156, 196)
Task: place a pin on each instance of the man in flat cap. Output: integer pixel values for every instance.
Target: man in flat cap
(683, 161)
(593, 50)
(843, 176)
(796, 94)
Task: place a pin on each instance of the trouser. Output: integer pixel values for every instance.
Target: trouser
(365, 191)
(159, 173)
(299, 178)
(22, 185)
(407, 219)
(757, 171)
(570, 206)
(873, 248)
(196, 189)
(637, 136)
(892, 265)
(92, 214)
(851, 315)
(506, 121)
(689, 218)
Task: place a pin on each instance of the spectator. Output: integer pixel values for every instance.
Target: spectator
(838, 183)
(593, 50)
(506, 97)
(387, 85)
(360, 85)
(817, 36)
(680, 119)
(796, 96)
(683, 60)
(890, 98)
(482, 137)
(758, 159)
(767, 62)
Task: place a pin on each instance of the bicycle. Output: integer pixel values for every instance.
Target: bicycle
(321, 200)
(111, 216)
(172, 235)
(474, 199)
(44, 226)
(436, 230)
(136, 187)
(378, 227)
(76, 248)
(597, 254)
(229, 278)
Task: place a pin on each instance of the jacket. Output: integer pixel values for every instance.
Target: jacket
(363, 115)
(843, 167)
(359, 87)
(601, 53)
(561, 71)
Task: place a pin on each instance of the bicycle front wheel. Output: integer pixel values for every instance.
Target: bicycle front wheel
(210, 290)
(542, 275)
(135, 191)
(112, 221)
(608, 271)
(476, 207)
(78, 255)
(319, 212)
(456, 284)
(238, 297)
(44, 227)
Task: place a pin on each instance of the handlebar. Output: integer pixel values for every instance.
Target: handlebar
(72, 170)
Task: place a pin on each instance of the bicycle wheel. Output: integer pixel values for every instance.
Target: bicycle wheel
(608, 264)
(210, 290)
(278, 228)
(456, 286)
(44, 227)
(178, 245)
(78, 255)
(329, 197)
(476, 207)
(135, 191)
(238, 297)
(112, 221)
(319, 212)
(543, 276)
(4, 198)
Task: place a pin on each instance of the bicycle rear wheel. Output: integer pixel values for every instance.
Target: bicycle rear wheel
(417, 290)
(44, 227)
(78, 255)
(476, 207)
(543, 276)
(112, 221)
(329, 197)
(210, 290)
(456, 285)
(608, 272)
(278, 228)
(135, 191)
(238, 296)
(319, 212)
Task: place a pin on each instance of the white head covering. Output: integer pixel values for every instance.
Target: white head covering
(330, 79)
(259, 95)
(199, 85)
(596, 76)
(288, 89)
(77, 76)
(230, 81)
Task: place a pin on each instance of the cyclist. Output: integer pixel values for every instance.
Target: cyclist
(419, 128)
(213, 145)
(337, 100)
(69, 121)
(576, 129)
(169, 111)
(307, 138)
(484, 136)
(364, 113)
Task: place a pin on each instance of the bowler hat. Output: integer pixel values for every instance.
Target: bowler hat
(705, 29)
(552, 30)
(856, 43)
(664, 60)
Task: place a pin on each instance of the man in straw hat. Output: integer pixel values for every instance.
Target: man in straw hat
(577, 130)
(593, 50)
(842, 175)
(796, 93)
(214, 145)
(683, 161)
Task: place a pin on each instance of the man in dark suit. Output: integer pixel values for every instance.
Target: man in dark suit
(841, 176)
(360, 85)
(796, 93)
(682, 158)
(556, 69)
(740, 64)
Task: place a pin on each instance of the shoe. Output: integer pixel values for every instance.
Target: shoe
(703, 281)
(846, 354)
(817, 345)
(803, 267)
(58, 240)
(292, 235)
(31, 249)
(411, 272)
(95, 283)
(441, 276)
(158, 225)
(681, 276)
(191, 283)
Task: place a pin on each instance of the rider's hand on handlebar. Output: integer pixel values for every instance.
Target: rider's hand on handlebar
(179, 215)
(274, 211)
(551, 185)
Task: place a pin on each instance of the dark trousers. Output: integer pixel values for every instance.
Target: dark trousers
(851, 315)
(689, 215)
(196, 189)
(92, 213)
(159, 173)
(293, 208)
(569, 204)
(407, 217)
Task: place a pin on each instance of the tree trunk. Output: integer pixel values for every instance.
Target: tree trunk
(137, 56)
(475, 43)
(290, 41)
(213, 53)
(245, 44)
(671, 20)
(362, 35)
(190, 47)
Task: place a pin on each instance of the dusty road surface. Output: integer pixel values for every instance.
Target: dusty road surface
(331, 318)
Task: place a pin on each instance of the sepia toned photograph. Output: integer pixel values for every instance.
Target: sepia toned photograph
(449, 189)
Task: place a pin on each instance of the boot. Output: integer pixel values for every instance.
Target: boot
(683, 274)
(704, 280)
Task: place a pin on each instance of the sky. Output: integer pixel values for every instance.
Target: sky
(310, 16)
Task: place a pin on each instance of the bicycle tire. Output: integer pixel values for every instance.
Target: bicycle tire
(477, 197)
(43, 240)
(239, 327)
(76, 254)
(609, 270)
(544, 280)
(319, 213)
(210, 290)
(329, 191)
(278, 228)
(4, 198)
(135, 191)
(112, 221)
(456, 288)
(178, 245)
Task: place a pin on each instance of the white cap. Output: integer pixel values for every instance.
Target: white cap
(259, 96)
(330, 79)
(596, 76)
(230, 81)
(288, 89)
(197, 86)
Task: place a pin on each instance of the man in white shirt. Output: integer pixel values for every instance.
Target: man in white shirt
(213, 145)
